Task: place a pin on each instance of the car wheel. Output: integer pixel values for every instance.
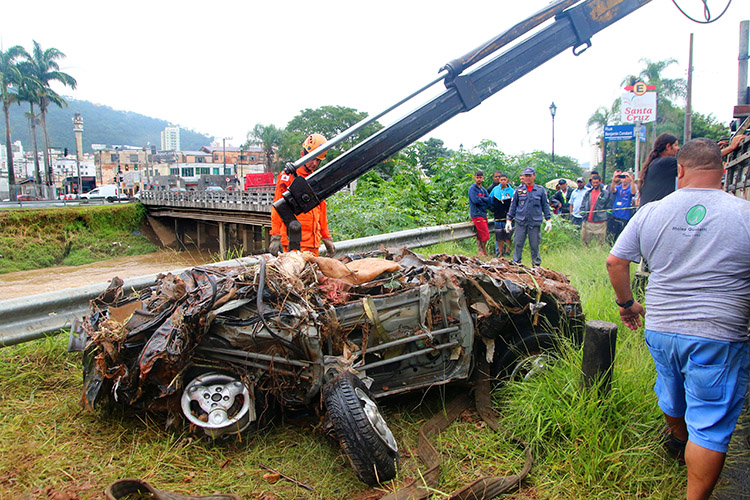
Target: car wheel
(218, 403)
(358, 425)
(525, 357)
(111, 199)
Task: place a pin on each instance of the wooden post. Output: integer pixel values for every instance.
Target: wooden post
(222, 241)
(599, 355)
(248, 248)
(258, 238)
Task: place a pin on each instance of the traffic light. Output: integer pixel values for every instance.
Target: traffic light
(65, 152)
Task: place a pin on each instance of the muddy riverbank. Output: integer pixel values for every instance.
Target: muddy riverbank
(24, 283)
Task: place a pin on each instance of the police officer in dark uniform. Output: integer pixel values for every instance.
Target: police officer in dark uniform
(528, 207)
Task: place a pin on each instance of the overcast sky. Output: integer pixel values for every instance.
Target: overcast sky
(221, 67)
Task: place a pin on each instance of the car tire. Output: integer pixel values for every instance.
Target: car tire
(525, 356)
(111, 199)
(360, 429)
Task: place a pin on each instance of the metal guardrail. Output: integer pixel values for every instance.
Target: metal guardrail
(258, 199)
(29, 318)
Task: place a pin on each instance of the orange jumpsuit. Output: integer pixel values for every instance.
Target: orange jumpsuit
(314, 223)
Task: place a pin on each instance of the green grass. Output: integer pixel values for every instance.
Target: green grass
(71, 236)
(584, 446)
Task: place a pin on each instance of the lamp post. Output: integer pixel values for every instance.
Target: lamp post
(118, 174)
(552, 111)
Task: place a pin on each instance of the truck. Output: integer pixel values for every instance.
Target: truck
(218, 348)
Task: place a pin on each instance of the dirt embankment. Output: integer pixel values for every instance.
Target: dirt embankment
(34, 239)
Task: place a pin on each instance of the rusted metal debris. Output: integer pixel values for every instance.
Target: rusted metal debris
(222, 345)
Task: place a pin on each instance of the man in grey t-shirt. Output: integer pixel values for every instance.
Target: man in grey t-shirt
(698, 299)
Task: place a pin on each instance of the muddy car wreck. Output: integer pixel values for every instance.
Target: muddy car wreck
(219, 347)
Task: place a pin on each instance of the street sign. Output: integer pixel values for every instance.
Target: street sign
(639, 108)
(622, 133)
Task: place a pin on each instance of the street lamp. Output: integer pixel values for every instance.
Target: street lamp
(552, 111)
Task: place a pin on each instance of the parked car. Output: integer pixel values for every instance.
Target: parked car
(107, 192)
(214, 188)
(221, 347)
(28, 197)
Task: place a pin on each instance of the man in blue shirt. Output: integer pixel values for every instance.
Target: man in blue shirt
(501, 196)
(624, 201)
(479, 202)
(576, 199)
(527, 208)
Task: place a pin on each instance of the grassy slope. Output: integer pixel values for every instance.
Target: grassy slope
(584, 447)
(33, 239)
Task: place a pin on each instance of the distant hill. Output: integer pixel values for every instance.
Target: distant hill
(101, 125)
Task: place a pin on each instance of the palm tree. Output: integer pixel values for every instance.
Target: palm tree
(667, 89)
(600, 119)
(43, 67)
(268, 137)
(10, 77)
(27, 92)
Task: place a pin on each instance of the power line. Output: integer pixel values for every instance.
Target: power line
(706, 12)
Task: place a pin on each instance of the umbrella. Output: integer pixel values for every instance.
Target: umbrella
(551, 184)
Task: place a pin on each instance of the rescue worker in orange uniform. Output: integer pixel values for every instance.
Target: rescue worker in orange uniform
(315, 222)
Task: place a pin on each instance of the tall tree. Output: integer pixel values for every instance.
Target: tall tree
(44, 68)
(329, 121)
(269, 138)
(430, 150)
(27, 92)
(667, 90)
(602, 117)
(10, 78)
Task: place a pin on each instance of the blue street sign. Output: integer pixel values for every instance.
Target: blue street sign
(622, 133)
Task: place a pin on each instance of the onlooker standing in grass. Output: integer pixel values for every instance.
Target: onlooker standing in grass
(698, 301)
(594, 210)
(576, 199)
(479, 202)
(501, 196)
(527, 207)
(623, 203)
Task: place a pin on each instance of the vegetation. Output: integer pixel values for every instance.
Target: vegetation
(410, 199)
(584, 446)
(102, 125)
(33, 239)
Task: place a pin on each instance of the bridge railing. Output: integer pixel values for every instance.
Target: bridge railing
(259, 197)
(28, 318)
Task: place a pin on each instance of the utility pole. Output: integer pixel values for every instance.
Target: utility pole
(743, 99)
(688, 132)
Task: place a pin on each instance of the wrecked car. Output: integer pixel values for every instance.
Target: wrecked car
(219, 346)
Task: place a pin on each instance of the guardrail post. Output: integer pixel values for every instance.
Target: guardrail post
(599, 355)
(222, 241)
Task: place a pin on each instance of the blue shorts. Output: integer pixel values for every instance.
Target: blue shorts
(702, 380)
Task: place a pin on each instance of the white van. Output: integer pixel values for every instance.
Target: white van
(107, 192)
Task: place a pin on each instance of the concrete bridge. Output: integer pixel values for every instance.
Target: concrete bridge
(231, 221)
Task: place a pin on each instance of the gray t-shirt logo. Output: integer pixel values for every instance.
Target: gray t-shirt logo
(695, 215)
